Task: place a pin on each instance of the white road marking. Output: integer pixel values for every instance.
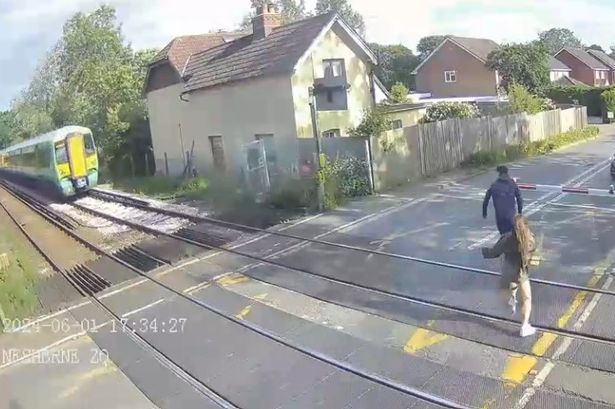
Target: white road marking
(541, 377)
(145, 307)
(540, 203)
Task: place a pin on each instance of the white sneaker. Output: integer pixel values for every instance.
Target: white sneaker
(512, 301)
(527, 330)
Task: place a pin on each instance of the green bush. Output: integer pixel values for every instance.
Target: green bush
(521, 100)
(447, 110)
(523, 150)
(608, 102)
(343, 178)
(374, 123)
(399, 93)
(193, 188)
(582, 94)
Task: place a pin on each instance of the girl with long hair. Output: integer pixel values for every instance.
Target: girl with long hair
(517, 247)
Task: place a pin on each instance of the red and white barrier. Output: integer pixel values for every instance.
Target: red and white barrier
(568, 189)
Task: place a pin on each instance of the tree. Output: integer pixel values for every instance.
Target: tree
(92, 78)
(7, 124)
(395, 63)
(342, 7)
(427, 44)
(399, 93)
(557, 38)
(595, 47)
(524, 64)
(521, 100)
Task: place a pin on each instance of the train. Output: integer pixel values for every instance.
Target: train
(66, 159)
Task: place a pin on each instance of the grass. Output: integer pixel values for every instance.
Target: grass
(18, 298)
(164, 187)
(525, 150)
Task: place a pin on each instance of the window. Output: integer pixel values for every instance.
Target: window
(332, 133)
(450, 76)
(217, 152)
(334, 68)
(88, 141)
(61, 155)
(396, 124)
(597, 74)
(329, 96)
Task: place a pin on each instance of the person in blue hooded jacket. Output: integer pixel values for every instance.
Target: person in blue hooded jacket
(507, 200)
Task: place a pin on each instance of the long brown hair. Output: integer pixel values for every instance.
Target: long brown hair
(525, 240)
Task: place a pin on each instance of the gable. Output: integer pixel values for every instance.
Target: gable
(160, 76)
(449, 56)
(477, 48)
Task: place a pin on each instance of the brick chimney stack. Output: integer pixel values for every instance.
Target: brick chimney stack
(267, 18)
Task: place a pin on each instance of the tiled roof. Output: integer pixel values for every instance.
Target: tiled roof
(555, 64)
(247, 57)
(480, 47)
(586, 58)
(181, 48)
(603, 57)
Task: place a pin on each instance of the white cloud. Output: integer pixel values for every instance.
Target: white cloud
(30, 27)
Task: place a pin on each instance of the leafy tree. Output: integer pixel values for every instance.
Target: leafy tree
(441, 111)
(524, 64)
(521, 100)
(92, 78)
(595, 47)
(395, 63)
(290, 10)
(345, 10)
(427, 44)
(374, 123)
(557, 38)
(7, 124)
(399, 93)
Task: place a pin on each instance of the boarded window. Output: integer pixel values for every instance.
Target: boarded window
(217, 152)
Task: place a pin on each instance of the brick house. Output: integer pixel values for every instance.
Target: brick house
(456, 68)
(558, 70)
(605, 59)
(585, 67)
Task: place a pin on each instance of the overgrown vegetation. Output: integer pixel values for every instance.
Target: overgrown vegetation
(608, 101)
(525, 64)
(579, 94)
(374, 123)
(343, 178)
(164, 187)
(524, 150)
(442, 111)
(18, 298)
(399, 93)
(521, 100)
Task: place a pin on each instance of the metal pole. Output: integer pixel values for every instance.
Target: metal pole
(320, 156)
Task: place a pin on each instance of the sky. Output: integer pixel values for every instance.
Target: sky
(31, 27)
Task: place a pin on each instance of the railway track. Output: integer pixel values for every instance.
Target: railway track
(214, 396)
(492, 318)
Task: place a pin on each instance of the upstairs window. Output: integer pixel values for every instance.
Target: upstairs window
(334, 68)
(396, 124)
(450, 76)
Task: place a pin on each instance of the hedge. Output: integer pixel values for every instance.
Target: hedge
(524, 150)
(584, 94)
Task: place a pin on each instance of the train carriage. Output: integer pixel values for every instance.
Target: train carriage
(65, 158)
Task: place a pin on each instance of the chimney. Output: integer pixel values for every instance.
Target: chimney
(266, 19)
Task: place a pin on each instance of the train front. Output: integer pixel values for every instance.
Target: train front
(77, 162)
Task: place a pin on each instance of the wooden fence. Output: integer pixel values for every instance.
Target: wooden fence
(433, 148)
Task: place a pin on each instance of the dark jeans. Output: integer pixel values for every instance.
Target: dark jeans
(505, 224)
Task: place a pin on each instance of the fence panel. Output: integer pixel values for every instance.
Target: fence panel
(568, 119)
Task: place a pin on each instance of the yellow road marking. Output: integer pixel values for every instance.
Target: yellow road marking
(243, 313)
(86, 377)
(232, 279)
(423, 338)
(517, 368)
(261, 297)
